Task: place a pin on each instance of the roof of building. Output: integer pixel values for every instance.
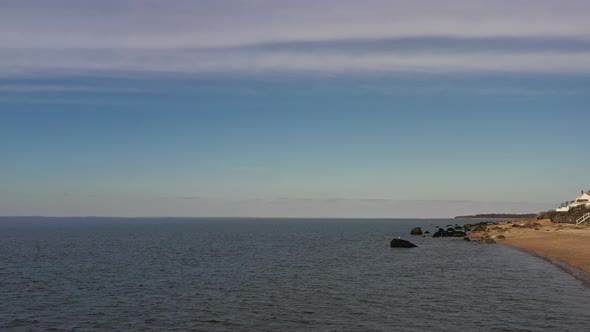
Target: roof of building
(584, 197)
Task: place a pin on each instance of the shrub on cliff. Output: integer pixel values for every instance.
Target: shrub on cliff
(481, 227)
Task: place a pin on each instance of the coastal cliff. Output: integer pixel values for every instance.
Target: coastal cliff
(498, 216)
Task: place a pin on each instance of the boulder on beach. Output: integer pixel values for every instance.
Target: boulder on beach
(427, 232)
(416, 231)
(466, 239)
(401, 243)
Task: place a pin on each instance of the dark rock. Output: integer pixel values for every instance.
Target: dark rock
(500, 237)
(439, 233)
(466, 239)
(427, 232)
(467, 227)
(515, 225)
(458, 227)
(399, 243)
(459, 234)
(450, 232)
(416, 231)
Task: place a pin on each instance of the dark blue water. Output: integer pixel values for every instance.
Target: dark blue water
(270, 275)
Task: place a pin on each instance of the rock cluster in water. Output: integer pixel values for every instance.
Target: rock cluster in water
(449, 232)
(455, 231)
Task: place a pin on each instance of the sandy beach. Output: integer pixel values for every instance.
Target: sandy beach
(565, 243)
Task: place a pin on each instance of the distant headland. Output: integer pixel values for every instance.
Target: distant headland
(499, 216)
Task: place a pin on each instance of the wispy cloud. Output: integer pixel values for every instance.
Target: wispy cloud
(64, 88)
(174, 61)
(172, 24)
(187, 197)
(195, 206)
(64, 101)
(423, 44)
(185, 37)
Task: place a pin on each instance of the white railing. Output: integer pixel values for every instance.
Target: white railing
(583, 218)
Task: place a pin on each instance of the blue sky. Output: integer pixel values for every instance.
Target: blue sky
(271, 108)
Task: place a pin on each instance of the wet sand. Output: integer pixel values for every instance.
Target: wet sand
(560, 243)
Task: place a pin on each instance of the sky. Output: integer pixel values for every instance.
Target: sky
(389, 109)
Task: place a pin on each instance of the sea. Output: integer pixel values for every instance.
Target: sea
(240, 274)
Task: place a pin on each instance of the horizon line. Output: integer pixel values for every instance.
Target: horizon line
(248, 217)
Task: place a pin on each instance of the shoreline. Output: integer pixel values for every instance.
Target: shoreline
(566, 246)
(577, 273)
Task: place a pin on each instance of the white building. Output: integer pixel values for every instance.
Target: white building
(583, 199)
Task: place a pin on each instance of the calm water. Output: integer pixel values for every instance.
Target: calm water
(269, 275)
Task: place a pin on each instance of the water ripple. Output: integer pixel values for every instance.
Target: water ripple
(265, 275)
